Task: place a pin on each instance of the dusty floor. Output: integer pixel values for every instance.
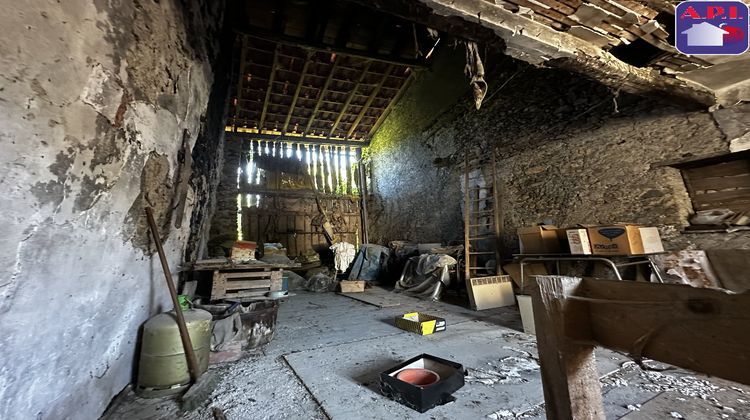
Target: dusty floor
(329, 349)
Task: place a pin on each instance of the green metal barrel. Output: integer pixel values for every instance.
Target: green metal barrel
(163, 369)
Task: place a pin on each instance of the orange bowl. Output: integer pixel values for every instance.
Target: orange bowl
(418, 377)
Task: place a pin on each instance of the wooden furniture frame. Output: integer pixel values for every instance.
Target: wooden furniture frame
(705, 330)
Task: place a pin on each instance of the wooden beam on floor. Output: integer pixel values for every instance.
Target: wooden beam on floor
(271, 78)
(322, 94)
(539, 44)
(669, 323)
(349, 97)
(297, 91)
(369, 101)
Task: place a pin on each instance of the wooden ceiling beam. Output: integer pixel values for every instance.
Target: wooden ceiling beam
(319, 46)
(297, 139)
(541, 45)
(241, 78)
(391, 104)
(369, 101)
(268, 90)
(322, 94)
(349, 98)
(297, 91)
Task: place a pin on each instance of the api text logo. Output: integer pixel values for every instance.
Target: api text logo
(711, 27)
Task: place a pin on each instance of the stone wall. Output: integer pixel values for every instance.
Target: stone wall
(569, 150)
(100, 107)
(224, 222)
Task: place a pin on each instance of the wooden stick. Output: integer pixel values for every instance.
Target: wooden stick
(192, 361)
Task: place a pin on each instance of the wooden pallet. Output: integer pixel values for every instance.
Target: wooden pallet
(244, 284)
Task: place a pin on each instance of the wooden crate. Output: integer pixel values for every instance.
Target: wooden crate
(244, 284)
(352, 286)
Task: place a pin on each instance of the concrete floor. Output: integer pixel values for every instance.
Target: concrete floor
(328, 351)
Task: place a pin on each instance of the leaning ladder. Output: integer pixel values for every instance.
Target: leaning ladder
(482, 219)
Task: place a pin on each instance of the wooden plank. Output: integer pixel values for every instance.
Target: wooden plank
(247, 284)
(297, 91)
(380, 299)
(240, 82)
(322, 94)
(569, 375)
(349, 98)
(369, 101)
(233, 275)
(727, 196)
(392, 103)
(672, 324)
(555, 19)
(721, 183)
(737, 167)
(245, 294)
(269, 89)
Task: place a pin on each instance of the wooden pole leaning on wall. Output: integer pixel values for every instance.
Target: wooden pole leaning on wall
(704, 330)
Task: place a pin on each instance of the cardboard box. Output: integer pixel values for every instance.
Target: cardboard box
(578, 241)
(423, 398)
(538, 239)
(419, 323)
(624, 240)
(352, 286)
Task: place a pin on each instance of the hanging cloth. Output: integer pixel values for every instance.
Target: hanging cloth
(475, 71)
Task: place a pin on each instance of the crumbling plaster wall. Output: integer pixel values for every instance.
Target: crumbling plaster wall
(100, 104)
(569, 150)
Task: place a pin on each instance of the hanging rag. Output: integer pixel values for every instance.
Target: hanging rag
(343, 255)
(475, 71)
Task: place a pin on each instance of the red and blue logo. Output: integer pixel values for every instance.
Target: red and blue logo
(711, 27)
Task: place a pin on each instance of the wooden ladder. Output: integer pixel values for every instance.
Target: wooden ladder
(482, 218)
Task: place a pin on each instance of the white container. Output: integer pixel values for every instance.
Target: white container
(527, 313)
(578, 239)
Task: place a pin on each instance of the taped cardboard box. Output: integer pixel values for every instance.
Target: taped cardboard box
(624, 239)
(541, 239)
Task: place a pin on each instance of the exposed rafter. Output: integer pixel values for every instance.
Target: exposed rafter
(369, 101)
(350, 97)
(539, 44)
(322, 94)
(391, 104)
(241, 78)
(270, 87)
(316, 46)
(296, 139)
(297, 91)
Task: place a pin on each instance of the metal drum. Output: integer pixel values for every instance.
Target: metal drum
(162, 369)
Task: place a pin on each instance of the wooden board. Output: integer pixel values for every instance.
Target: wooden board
(290, 222)
(377, 297)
